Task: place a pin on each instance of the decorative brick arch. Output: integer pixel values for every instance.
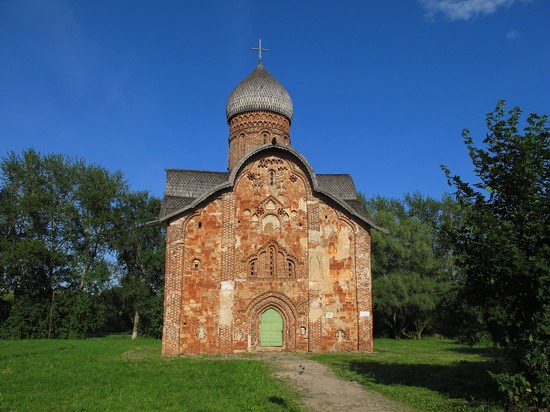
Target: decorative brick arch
(284, 306)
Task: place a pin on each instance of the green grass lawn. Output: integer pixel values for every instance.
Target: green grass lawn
(429, 374)
(121, 374)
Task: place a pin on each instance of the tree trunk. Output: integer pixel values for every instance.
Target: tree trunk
(51, 315)
(136, 323)
(396, 327)
(420, 330)
(84, 271)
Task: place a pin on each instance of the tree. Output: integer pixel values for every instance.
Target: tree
(504, 246)
(95, 199)
(424, 298)
(56, 225)
(412, 266)
(139, 250)
(409, 245)
(390, 295)
(403, 298)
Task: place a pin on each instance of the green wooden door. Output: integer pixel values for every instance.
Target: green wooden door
(271, 328)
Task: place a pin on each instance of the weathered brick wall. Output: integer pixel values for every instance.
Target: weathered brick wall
(200, 297)
(268, 243)
(250, 130)
(271, 248)
(332, 281)
(172, 289)
(364, 289)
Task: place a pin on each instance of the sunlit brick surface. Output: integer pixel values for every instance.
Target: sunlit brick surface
(268, 242)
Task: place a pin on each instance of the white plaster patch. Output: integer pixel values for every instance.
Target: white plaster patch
(227, 285)
(227, 295)
(270, 224)
(325, 268)
(344, 244)
(315, 314)
(314, 269)
(314, 235)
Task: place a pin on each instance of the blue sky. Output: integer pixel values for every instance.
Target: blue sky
(381, 89)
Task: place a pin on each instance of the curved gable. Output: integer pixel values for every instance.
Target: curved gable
(203, 185)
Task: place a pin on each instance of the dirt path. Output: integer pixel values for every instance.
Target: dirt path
(322, 390)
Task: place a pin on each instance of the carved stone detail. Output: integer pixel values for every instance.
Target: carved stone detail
(238, 335)
(259, 119)
(200, 332)
(272, 262)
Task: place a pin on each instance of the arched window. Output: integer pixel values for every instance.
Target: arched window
(290, 266)
(271, 262)
(241, 143)
(272, 270)
(272, 177)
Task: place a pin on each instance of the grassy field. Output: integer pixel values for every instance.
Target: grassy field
(429, 374)
(121, 374)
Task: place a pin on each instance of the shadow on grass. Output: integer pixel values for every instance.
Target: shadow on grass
(278, 401)
(485, 352)
(462, 380)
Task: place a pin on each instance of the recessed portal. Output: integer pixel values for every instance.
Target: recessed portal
(271, 329)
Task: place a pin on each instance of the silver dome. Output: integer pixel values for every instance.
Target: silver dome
(259, 91)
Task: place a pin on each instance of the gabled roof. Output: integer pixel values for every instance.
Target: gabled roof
(341, 185)
(192, 183)
(185, 189)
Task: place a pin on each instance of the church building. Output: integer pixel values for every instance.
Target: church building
(269, 255)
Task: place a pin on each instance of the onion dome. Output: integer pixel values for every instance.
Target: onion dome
(259, 91)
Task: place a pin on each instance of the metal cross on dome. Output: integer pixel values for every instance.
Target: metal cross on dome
(259, 48)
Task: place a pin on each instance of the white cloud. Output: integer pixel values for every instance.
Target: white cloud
(463, 9)
(512, 34)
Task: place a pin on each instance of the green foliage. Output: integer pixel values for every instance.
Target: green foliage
(140, 258)
(151, 316)
(504, 246)
(517, 389)
(406, 298)
(68, 232)
(409, 244)
(130, 375)
(57, 222)
(413, 268)
(28, 319)
(76, 314)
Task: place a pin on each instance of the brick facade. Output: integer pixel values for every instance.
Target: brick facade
(269, 242)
